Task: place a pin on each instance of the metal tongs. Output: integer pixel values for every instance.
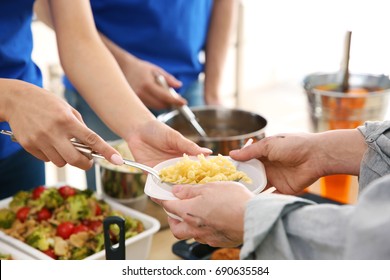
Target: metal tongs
(184, 109)
(88, 152)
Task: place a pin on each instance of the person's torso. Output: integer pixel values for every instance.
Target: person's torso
(168, 33)
(15, 53)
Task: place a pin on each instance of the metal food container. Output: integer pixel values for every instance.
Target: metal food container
(227, 129)
(329, 109)
(124, 184)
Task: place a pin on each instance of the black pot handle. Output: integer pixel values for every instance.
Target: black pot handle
(117, 253)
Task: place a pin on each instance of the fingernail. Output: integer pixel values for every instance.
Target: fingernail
(116, 159)
(206, 151)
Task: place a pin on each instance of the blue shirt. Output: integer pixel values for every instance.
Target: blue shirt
(168, 33)
(15, 54)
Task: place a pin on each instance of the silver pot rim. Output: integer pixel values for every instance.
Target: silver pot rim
(169, 115)
(310, 81)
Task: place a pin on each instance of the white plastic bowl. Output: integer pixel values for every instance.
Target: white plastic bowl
(15, 254)
(253, 168)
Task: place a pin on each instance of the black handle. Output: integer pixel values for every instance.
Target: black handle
(117, 253)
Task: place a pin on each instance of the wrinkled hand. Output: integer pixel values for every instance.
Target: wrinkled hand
(43, 124)
(291, 161)
(155, 142)
(212, 213)
(141, 75)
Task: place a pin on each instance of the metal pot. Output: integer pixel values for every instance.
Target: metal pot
(227, 129)
(334, 110)
(123, 184)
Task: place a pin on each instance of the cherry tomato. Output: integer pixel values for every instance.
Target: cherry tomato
(66, 191)
(22, 213)
(80, 228)
(36, 193)
(50, 253)
(43, 214)
(93, 225)
(98, 210)
(65, 230)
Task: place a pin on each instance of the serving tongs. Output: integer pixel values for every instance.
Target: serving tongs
(88, 152)
(184, 109)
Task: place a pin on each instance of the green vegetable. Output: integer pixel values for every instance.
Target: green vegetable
(132, 226)
(99, 239)
(7, 217)
(5, 256)
(39, 238)
(63, 216)
(19, 200)
(80, 253)
(51, 198)
(79, 208)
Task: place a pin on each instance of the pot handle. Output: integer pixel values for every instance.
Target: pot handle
(117, 253)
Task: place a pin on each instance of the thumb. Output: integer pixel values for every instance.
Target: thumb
(247, 153)
(186, 191)
(186, 146)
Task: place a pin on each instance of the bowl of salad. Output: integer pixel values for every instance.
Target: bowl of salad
(66, 223)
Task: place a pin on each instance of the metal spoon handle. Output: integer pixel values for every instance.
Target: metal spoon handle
(143, 167)
(87, 151)
(184, 109)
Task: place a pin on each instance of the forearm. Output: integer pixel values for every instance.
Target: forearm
(217, 43)
(94, 72)
(10, 92)
(5, 99)
(122, 57)
(340, 151)
(107, 92)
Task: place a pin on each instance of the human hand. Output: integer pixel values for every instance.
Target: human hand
(43, 124)
(292, 161)
(212, 213)
(212, 99)
(141, 75)
(154, 142)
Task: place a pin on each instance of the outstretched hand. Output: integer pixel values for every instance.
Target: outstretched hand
(291, 161)
(294, 161)
(141, 75)
(44, 124)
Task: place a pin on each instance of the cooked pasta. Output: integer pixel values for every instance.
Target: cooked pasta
(188, 171)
